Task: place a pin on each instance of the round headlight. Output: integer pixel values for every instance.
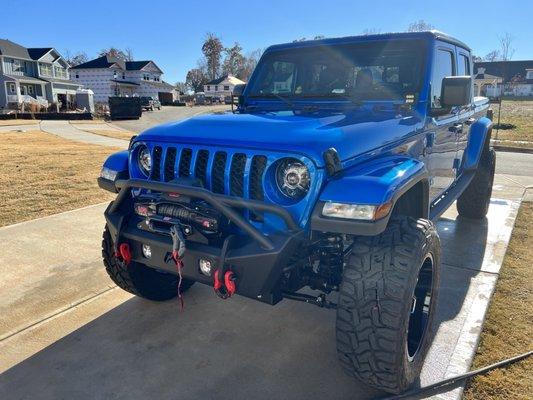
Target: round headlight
(145, 160)
(292, 178)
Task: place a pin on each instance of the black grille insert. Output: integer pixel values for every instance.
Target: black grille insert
(156, 163)
(170, 160)
(238, 162)
(185, 163)
(200, 169)
(217, 173)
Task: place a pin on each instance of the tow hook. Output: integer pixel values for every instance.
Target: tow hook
(224, 281)
(123, 253)
(224, 284)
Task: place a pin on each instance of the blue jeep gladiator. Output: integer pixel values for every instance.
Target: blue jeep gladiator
(322, 186)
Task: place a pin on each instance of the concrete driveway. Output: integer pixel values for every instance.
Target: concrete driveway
(166, 114)
(67, 332)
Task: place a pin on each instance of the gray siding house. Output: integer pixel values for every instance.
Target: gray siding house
(34, 75)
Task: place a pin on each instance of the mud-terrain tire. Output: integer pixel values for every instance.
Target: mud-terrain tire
(377, 340)
(139, 279)
(474, 201)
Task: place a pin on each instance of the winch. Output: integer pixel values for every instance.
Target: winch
(196, 214)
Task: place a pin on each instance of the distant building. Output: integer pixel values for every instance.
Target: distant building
(510, 78)
(221, 87)
(110, 76)
(34, 75)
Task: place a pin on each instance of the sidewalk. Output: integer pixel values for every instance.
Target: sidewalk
(69, 131)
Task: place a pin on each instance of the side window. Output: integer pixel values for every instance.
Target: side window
(443, 67)
(463, 65)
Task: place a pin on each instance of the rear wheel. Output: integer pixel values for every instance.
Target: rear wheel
(474, 201)
(139, 279)
(387, 304)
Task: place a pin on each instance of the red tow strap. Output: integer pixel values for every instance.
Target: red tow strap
(178, 250)
(179, 265)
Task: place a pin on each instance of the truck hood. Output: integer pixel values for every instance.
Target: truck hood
(351, 134)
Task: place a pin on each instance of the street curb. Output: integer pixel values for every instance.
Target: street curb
(512, 149)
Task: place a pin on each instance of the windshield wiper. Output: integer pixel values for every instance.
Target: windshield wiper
(277, 96)
(351, 99)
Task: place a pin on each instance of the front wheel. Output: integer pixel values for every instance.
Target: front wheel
(387, 304)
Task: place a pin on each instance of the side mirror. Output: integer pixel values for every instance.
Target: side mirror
(456, 91)
(238, 89)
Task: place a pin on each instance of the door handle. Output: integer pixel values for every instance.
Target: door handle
(470, 121)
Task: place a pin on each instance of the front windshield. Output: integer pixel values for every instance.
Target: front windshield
(374, 70)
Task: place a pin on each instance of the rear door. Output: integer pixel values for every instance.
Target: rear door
(441, 129)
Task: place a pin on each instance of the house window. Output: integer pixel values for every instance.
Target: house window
(529, 74)
(77, 75)
(123, 76)
(18, 66)
(226, 87)
(12, 88)
(45, 69)
(60, 72)
(146, 77)
(30, 89)
(208, 88)
(216, 88)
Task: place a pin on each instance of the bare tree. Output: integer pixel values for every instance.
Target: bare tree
(234, 61)
(250, 63)
(75, 59)
(212, 49)
(196, 79)
(419, 26)
(505, 46)
(494, 55)
(129, 53)
(125, 55)
(181, 87)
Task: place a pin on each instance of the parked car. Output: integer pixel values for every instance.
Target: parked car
(328, 177)
(149, 103)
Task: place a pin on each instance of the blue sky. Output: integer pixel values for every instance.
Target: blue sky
(171, 32)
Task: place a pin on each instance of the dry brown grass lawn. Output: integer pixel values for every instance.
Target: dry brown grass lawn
(42, 174)
(9, 122)
(508, 329)
(518, 113)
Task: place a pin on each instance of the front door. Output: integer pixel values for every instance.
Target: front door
(441, 134)
(466, 114)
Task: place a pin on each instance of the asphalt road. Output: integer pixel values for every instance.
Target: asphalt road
(519, 164)
(166, 114)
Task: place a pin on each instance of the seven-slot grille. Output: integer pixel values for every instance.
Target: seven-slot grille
(236, 174)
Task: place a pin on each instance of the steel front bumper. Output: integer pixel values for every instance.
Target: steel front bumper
(256, 259)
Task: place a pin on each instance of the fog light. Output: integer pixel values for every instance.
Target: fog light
(205, 266)
(147, 251)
